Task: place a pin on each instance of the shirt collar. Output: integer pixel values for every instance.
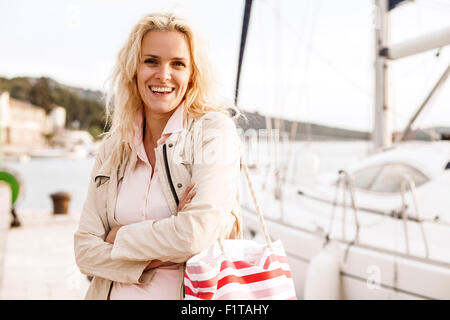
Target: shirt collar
(174, 124)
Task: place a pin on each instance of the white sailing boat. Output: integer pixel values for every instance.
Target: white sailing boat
(379, 229)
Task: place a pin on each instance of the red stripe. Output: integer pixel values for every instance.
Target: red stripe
(188, 291)
(251, 278)
(200, 295)
(212, 282)
(235, 265)
(256, 277)
(205, 295)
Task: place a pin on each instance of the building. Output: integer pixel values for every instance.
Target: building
(22, 124)
(58, 119)
(26, 129)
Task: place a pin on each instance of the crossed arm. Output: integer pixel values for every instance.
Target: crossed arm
(186, 198)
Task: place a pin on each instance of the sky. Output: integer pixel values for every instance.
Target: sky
(308, 60)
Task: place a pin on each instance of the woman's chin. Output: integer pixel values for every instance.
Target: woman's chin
(160, 107)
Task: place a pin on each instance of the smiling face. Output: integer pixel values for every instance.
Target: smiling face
(164, 71)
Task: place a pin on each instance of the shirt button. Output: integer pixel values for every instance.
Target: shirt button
(179, 185)
(170, 145)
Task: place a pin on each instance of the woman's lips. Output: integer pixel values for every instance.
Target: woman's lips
(161, 90)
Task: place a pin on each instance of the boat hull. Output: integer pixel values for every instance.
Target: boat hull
(366, 272)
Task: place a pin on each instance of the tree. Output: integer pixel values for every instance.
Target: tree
(40, 94)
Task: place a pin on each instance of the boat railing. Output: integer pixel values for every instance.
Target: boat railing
(345, 181)
(408, 182)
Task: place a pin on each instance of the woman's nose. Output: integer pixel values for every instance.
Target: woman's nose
(164, 73)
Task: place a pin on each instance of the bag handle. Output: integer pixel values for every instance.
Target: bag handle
(255, 202)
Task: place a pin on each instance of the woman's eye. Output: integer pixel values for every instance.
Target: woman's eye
(179, 64)
(150, 61)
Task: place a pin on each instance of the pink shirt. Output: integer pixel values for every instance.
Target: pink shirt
(140, 198)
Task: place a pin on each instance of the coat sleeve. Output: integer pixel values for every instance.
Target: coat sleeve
(92, 253)
(215, 173)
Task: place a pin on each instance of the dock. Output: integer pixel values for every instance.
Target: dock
(39, 259)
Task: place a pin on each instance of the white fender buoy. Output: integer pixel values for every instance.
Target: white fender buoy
(323, 276)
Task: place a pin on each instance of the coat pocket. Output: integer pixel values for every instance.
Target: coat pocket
(101, 179)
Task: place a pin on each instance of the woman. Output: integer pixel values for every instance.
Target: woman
(143, 218)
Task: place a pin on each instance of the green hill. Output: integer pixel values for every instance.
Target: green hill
(305, 131)
(84, 108)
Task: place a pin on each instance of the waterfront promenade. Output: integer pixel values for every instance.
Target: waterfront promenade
(39, 258)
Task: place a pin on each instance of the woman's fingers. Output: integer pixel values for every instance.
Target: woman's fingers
(186, 192)
(187, 200)
(190, 196)
(186, 197)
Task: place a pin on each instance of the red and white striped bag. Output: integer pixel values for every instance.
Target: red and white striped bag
(247, 271)
(240, 269)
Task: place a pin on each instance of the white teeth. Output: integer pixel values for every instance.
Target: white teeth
(161, 89)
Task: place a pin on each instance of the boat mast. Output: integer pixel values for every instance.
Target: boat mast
(245, 22)
(382, 129)
(384, 51)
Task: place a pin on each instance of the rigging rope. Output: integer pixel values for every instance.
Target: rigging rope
(321, 58)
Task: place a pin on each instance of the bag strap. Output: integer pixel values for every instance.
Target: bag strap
(255, 202)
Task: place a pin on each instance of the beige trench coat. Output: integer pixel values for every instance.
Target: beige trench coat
(206, 153)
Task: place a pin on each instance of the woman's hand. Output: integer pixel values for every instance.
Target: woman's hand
(153, 264)
(186, 197)
(111, 237)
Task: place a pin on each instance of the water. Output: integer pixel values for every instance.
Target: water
(302, 159)
(41, 177)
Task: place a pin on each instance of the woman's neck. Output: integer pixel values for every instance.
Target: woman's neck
(154, 125)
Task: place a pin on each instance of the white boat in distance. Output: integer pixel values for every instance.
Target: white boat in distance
(379, 229)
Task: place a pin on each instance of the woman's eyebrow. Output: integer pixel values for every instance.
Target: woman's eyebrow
(157, 57)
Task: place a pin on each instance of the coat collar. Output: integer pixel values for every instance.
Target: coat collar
(174, 124)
